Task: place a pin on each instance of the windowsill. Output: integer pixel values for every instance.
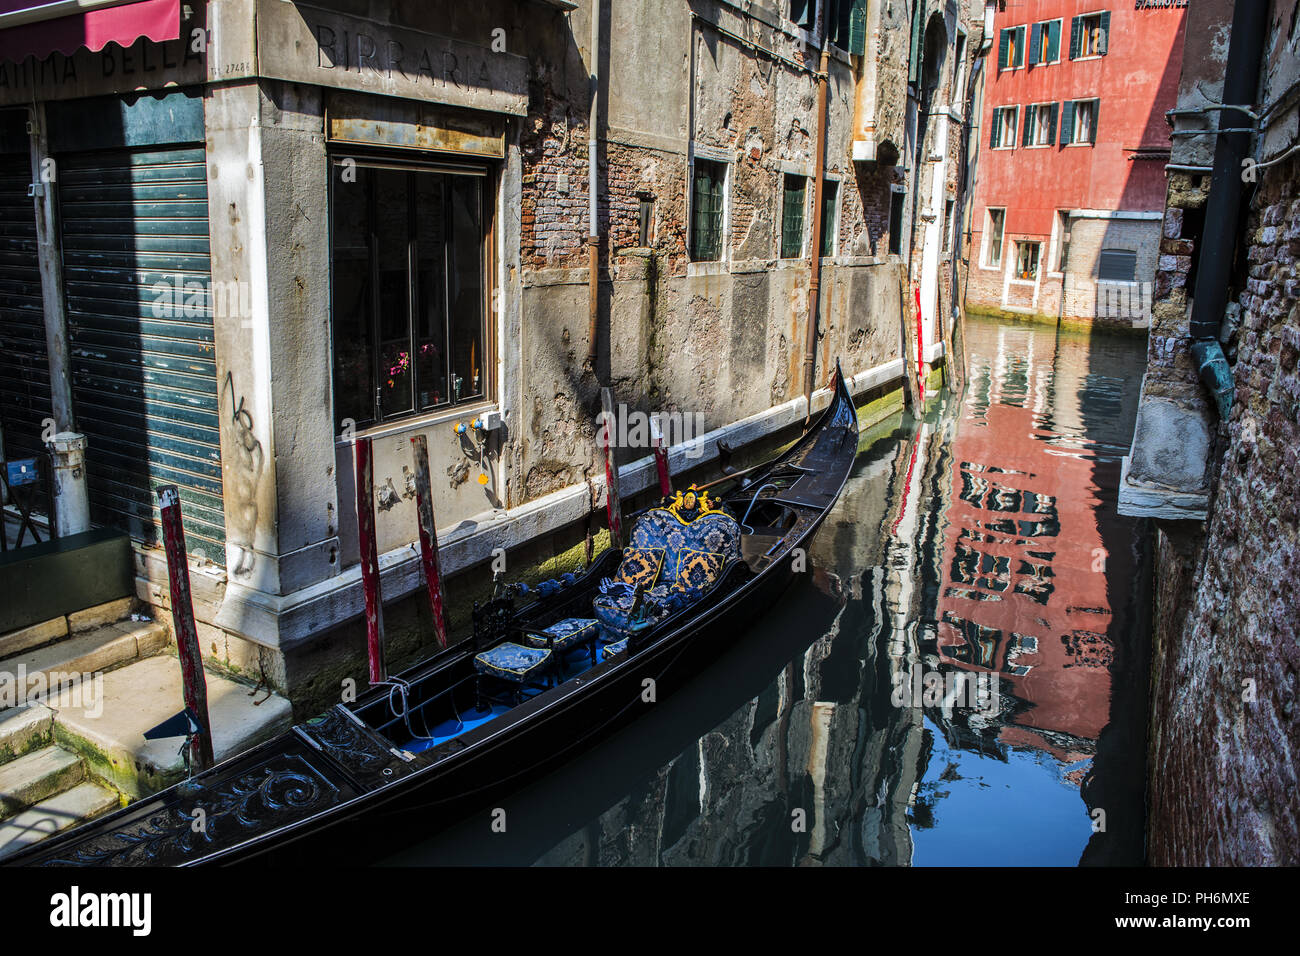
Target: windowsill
(997, 268)
(718, 267)
(1023, 281)
(423, 420)
(1068, 145)
(1093, 56)
(1003, 148)
(1037, 146)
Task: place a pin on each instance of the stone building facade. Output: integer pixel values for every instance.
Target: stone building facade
(1223, 493)
(288, 180)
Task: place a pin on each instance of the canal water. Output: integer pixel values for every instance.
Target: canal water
(961, 680)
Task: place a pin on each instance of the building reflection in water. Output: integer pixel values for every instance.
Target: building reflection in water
(977, 550)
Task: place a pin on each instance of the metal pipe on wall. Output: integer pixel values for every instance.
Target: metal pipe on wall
(1223, 205)
(593, 231)
(819, 178)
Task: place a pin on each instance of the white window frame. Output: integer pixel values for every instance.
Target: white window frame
(1035, 108)
(1062, 41)
(723, 263)
(986, 261)
(1023, 30)
(835, 232)
(1038, 271)
(1074, 120)
(1091, 56)
(999, 112)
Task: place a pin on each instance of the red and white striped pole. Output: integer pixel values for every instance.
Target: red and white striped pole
(920, 350)
(370, 561)
(428, 536)
(195, 685)
(613, 505)
(661, 456)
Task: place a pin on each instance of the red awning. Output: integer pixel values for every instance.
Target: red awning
(39, 27)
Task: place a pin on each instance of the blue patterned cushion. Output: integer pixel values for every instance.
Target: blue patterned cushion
(698, 569)
(512, 661)
(640, 566)
(714, 534)
(567, 633)
(609, 650)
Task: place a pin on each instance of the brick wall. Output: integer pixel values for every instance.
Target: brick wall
(1225, 733)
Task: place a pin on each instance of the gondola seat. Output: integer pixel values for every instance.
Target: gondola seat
(617, 647)
(697, 540)
(565, 635)
(515, 663)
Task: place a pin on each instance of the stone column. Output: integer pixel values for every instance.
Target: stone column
(267, 191)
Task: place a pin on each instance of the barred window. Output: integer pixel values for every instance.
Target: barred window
(708, 197)
(793, 203)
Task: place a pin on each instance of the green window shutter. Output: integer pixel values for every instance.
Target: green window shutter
(1092, 138)
(1104, 41)
(1015, 123)
(1053, 41)
(1004, 44)
(1051, 123)
(1035, 34)
(1067, 122)
(1076, 36)
(997, 125)
(1029, 125)
(1020, 46)
(792, 213)
(706, 220)
(829, 191)
(802, 12)
(858, 27)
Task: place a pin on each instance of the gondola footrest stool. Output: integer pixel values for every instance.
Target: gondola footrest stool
(511, 662)
(565, 635)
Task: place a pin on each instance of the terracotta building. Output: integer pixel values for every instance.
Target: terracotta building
(1071, 178)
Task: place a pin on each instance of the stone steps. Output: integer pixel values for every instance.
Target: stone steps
(37, 635)
(36, 674)
(107, 732)
(24, 729)
(54, 814)
(40, 774)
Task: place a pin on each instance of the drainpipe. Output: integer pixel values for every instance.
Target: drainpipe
(50, 261)
(71, 505)
(1223, 206)
(814, 278)
(593, 233)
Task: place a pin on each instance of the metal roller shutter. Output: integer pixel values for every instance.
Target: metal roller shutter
(24, 369)
(136, 269)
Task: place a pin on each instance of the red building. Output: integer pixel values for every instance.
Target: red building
(1070, 179)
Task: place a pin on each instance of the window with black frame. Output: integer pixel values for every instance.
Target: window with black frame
(408, 289)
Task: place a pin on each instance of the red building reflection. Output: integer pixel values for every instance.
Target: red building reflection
(1023, 590)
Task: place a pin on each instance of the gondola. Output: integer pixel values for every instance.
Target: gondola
(547, 672)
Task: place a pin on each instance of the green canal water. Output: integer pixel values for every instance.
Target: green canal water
(960, 680)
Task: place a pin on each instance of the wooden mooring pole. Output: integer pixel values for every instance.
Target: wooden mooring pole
(613, 505)
(370, 562)
(661, 456)
(428, 536)
(187, 636)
